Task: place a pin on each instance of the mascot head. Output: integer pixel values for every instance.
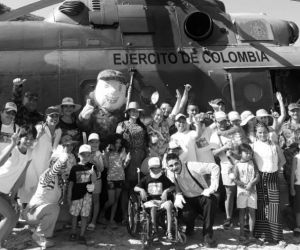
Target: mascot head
(110, 92)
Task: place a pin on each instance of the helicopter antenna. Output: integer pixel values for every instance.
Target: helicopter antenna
(28, 9)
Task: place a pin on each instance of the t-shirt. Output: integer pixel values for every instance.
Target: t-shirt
(155, 187)
(11, 170)
(80, 175)
(5, 134)
(246, 173)
(186, 140)
(217, 142)
(203, 151)
(115, 170)
(72, 130)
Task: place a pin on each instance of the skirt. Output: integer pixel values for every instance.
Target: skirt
(268, 223)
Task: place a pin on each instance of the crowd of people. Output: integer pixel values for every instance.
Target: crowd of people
(46, 161)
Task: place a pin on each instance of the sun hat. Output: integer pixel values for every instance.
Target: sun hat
(154, 162)
(220, 116)
(69, 101)
(85, 148)
(178, 116)
(217, 101)
(133, 105)
(262, 113)
(246, 116)
(93, 136)
(293, 106)
(67, 140)
(233, 115)
(52, 110)
(11, 106)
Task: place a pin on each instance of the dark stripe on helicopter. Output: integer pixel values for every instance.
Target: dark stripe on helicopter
(173, 58)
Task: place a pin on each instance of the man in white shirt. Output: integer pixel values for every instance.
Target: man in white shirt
(185, 138)
(193, 195)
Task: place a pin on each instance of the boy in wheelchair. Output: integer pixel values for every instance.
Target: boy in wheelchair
(154, 189)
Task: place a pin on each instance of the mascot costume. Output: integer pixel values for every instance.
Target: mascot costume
(102, 113)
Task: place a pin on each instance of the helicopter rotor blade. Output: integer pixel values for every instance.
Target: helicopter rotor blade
(28, 9)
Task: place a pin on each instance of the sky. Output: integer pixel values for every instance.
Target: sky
(282, 9)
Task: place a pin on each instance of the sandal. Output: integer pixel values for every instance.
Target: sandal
(82, 240)
(91, 227)
(72, 237)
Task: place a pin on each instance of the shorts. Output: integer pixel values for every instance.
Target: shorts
(158, 203)
(82, 206)
(227, 181)
(113, 185)
(98, 187)
(245, 199)
(297, 199)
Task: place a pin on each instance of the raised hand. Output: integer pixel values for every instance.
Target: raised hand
(279, 97)
(178, 95)
(214, 106)
(15, 138)
(87, 110)
(18, 81)
(187, 87)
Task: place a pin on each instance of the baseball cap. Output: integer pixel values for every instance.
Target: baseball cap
(93, 136)
(85, 148)
(52, 110)
(233, 115)
(293, 106)
(31, 95)
(262, 113)
(220, 116)
(154, 162)
(11, 106)
(178, 116)
(218, 100)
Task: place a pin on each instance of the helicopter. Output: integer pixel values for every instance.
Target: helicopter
(160, 45)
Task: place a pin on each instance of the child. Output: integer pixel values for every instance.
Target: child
(295, 191)
(154, 189)
(97, 160)
(79, 192)
(115, 162)
(246, 176)
(14, 161)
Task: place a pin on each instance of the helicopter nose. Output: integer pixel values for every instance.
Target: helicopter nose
(198, 26)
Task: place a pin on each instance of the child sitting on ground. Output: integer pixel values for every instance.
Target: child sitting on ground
(97, 160)
(154, 189)
(246, 176)
(79, 192)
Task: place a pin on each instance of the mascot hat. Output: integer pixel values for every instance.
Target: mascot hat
(110, 74)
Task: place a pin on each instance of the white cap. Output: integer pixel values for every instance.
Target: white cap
(178, 116)
(85, 148)
(11, 106)
(262, 113)
(93, 136)
(154, 162)
(233, 115)
(246, 117)
(220, 116)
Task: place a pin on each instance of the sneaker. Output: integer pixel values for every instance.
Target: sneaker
(42, 241)
(170, 236)
(227, 224)
(208, 242)
(155, 237)
(297, 232)
(113, 225)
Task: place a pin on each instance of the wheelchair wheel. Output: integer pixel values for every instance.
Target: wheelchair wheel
(181, 238)
(133, 220)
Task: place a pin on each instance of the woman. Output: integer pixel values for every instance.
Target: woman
(135, 134)
(67, 122)
(269, 159)
(14, 161)
(49, 135)
(248, 124)
(7, 124)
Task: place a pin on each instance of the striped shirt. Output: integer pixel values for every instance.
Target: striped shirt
(186, 184)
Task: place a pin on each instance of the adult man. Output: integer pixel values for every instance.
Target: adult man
(185, 138)
(27, 113)
(193, 195)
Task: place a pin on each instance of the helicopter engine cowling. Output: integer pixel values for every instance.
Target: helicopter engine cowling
(198, 26)
(294, 32)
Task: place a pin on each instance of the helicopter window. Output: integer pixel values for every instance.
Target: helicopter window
(148, 95)
(253, 92)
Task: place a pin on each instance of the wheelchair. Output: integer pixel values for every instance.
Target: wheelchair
(139, 221)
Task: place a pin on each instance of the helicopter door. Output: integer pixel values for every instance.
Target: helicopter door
(250, 89)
